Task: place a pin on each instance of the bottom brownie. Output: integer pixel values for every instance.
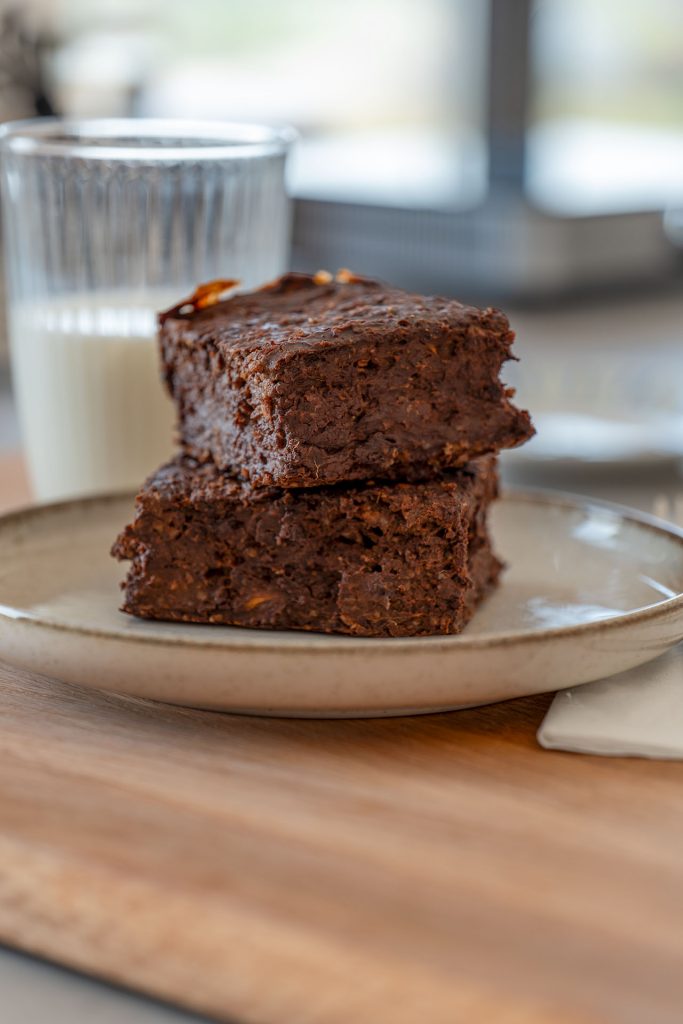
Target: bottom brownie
(372, 559)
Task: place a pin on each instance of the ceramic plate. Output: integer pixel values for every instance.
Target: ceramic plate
(591, 590)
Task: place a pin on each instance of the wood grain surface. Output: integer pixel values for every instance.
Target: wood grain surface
(14, 485)
(437, 869)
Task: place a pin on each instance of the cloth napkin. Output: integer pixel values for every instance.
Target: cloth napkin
(637, 713)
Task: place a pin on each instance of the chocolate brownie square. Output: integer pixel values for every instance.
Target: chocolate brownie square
(312, 380)
(375, 559)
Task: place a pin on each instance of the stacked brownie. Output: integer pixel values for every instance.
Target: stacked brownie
(338, 442)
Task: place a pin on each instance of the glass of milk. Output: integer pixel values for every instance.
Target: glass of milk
(106, 223)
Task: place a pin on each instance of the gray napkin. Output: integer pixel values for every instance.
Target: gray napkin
(637, 713)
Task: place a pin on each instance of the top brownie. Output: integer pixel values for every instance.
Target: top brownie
(315, 380)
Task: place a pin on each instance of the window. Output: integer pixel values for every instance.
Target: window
(387, 94)
(483, 147)
(606, 105)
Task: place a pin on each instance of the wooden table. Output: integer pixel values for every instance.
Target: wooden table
(437, 869)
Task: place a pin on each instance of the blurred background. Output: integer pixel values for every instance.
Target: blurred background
(519, 152)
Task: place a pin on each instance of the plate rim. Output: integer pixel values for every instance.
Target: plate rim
(297, 640)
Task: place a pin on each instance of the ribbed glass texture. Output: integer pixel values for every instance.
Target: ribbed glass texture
(105, 223)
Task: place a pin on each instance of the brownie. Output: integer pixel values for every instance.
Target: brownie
(312, 380)
(368, 559)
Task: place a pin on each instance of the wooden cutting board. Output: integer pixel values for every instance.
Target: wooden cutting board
(438, 869)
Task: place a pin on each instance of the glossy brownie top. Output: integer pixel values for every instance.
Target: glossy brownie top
(299, 311)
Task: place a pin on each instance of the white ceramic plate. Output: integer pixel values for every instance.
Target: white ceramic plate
(591, 590)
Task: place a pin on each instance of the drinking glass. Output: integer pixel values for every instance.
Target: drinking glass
(107, 222)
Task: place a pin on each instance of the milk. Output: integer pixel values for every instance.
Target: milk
(92, 409)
